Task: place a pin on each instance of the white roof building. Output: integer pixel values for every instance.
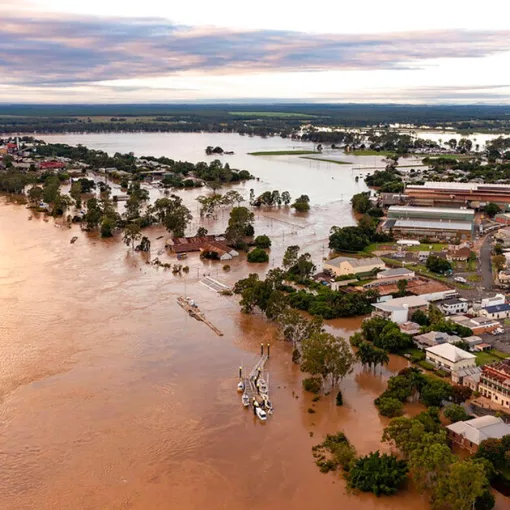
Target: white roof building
(449, 357)
(398, 309)
(477, 430)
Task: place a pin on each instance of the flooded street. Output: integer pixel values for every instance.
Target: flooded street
(112, 397)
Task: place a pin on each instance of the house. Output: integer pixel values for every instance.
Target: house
(398, 310)
(423, 255)
(51, 165)
(449, 357)
(435, 338)
(222, 251)
(399, 273)
(467, 377)
(478, 325)
(410, 328)
(341, 266)
(453, 306)
(498, 299)
(495, 382)
(462, 254)
(471, 341)
(496, 311)
(482, 347)
(504, 277)
(209, 243)
(470, 377)
(469, 434)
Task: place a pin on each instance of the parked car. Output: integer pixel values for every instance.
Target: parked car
(459, 279)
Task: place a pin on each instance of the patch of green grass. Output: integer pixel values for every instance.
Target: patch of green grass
(282, 153)
(370, 152)
(426, 365)
(474, 278)
(506, 322)
(380, 246)
(499, 354)
(425, 247)
(328, 160)
(484, 358)
(273, 114)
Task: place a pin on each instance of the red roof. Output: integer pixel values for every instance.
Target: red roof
(51, 164)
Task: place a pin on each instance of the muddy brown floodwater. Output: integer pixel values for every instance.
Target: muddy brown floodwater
(111, 397)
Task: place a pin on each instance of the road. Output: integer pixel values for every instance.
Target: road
(486, 264)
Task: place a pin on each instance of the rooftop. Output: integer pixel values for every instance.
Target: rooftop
(497, 308)
(354, 262)
(479, 429)
(438, 224)
(399, 303)
(404, 209)
(450, 352)
(390, 273)
(456, 185)
(451, 301)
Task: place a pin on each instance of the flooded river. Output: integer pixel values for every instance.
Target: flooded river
(111, 397)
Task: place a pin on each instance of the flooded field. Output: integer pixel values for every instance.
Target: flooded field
(112, 397)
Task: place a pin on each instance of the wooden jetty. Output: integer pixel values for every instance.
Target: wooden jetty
(193, 310)
(250, 381)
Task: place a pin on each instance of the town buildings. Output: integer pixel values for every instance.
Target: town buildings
(478, 325)
(342, 266)
(434, 223)
(495, 382)
(400, 309)
(469, 434)
(457, 194)
(453, 306)
(496, 311)
(433, 338)
(449, 357)
(204, 244)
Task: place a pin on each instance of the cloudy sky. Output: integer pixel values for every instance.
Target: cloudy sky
(100, 51)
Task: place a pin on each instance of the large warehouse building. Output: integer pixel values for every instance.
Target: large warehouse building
(458, 194)
(432, 222)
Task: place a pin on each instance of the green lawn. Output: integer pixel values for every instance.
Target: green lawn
(273, 114)
(474, 278)
(370, 152)
(447, 156)
(328, 160)
(484, 358)
(425, 247)
(379, 246)
(282, 153)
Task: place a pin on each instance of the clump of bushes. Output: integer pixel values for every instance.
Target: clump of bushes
(263, 242)
(258, 255)
(312, 384)
(335, 451)
(390, 407)
(339, 399)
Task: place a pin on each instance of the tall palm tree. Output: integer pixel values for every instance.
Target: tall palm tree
(380, 357)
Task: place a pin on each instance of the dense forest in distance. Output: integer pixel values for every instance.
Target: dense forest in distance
(257, 119)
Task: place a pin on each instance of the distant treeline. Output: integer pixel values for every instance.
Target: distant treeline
(255, 119)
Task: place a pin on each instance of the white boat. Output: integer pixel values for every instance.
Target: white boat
(261, 414)
(240, 386)
(262, 386)
(245, 399)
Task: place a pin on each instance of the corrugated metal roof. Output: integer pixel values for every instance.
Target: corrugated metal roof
(431, 224)
(431, 210)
